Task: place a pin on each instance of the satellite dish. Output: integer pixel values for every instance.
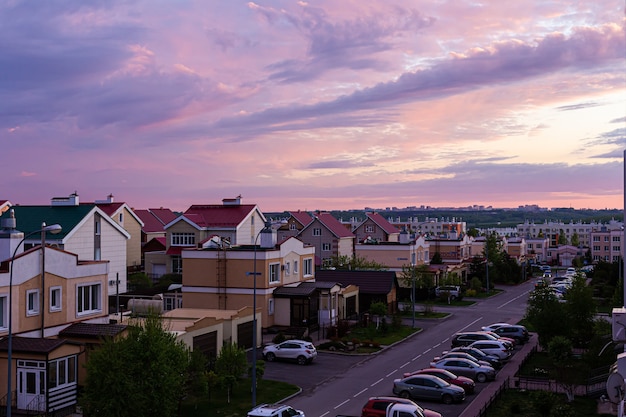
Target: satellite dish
(615, 387)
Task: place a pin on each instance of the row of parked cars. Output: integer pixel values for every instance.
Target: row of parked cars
(474, 357)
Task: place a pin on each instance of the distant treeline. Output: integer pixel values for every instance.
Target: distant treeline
(485, 218)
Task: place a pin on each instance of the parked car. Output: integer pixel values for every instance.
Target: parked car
(275, 410)
(467, 338)
(464, 355)
(493, 347)
(428, 387)
(493, 326)
(467, 368)
(515, 331)
(452, 291)
(493, 360)
(509, 341)
(464, 382)
(377, 406)
(300, 351)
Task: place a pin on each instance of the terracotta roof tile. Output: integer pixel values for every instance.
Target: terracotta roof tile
(333, 225)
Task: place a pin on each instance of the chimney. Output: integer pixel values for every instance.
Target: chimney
(268, 236)
(109, 200)
(10, 237)
(404, 237)
(72, 200)
(232, 201)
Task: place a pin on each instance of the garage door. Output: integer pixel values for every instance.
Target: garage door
(244, 335)
(207, 344)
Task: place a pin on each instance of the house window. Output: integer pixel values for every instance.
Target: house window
(121, 218)
(274, 273)
(88, 298)
(32, 302)
(326, 247)
(295, 267)
(308, 267)
(287, 268)
(596, 238)
(177, 264)
(369, 228)
(616, 248)
(293, 226)
(616, 238)
(183, 239)
(55, 299)
(62, 372)
(317, 231)
(270, 306)
(4, 302)
(596, 247)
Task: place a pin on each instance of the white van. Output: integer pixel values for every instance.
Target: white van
(275, 410)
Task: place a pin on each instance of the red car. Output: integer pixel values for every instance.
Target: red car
(464, 382)
(377, 407)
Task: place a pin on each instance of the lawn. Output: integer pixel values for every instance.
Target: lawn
(522, 403)
(240, 401)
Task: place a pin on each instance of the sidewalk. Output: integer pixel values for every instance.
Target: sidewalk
(507, 372)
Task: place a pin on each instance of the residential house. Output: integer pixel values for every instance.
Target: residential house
(88, 232)
(232, 222)
(329, 237)
(515, 247)
(223, 276)
(564, 255)
(376, 228)
(42, 291)
(537, 249)
(297, 221)
(374, 286)
(606, 244)
(123, 215)
(153, 235)
(395, 255)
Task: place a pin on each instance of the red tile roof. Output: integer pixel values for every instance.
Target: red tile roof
(302, 217)
(215, 215)
(333, 225)
(383, 223)
(151, 224)
(164, 215)
(108, 208)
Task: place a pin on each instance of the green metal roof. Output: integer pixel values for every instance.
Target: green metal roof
(30, 218)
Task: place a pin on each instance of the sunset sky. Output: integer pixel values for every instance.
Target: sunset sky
(324, 104)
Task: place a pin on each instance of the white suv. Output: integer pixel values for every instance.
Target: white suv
(275, 410)
(300, 351)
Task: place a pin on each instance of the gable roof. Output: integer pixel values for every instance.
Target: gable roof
(382, 223)
(29, 219)
(332, 224)
(369, 282)
(205, 216)
(301, 217)
(151, 222)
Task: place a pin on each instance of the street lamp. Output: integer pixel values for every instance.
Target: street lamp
(266, 229)
(54, 229)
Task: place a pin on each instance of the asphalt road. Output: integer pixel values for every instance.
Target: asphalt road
(341, 384)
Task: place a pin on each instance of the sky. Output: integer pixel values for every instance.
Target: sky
(319, 105)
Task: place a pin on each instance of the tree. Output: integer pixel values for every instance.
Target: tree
(546, 315)
(142, 374)
(575, 239)
(231, 365)
(436, 259)
(562, 238)
(355, 263)
(580, 307)
(473, 232)
(560, 351)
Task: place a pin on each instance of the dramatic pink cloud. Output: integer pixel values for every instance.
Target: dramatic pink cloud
(318, 105)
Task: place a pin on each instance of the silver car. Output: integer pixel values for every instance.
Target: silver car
(467, 368)
(300, 351)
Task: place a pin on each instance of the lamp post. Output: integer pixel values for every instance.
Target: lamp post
(266, 229)
(54, 229)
